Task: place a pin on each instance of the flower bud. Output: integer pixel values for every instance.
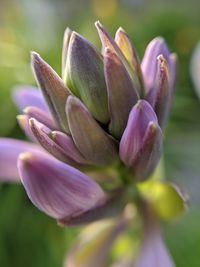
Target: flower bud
(94, 144)
(126, 46)
(141, 143)
(84, 75)
(43, 136)
(122, 95)
(53, 89)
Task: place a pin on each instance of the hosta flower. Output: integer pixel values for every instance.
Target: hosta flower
(95, 132)
(107, 109)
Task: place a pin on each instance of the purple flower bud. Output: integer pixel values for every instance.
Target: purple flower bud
(85, 77)
(159, 71)
(141, 143)
(41, 116)
(67, 144)
(57, 189)
(149, 63)
(43, 136)
(53, 89)
(91, 140)
(122, 95)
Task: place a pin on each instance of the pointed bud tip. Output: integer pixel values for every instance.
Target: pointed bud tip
(25, 157)
(34, 55)
(153, 126)
(32, 122)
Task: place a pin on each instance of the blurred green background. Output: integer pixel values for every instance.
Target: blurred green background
(29, 238)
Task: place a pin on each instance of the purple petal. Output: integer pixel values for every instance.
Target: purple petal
(24, 96)
(23, 121)
(108, 42)
(149, 155)
(9, 152)
(153, 252)
(121, 92)
(141, 140)
(149, 63)
(41, 116)
(67, 144)
(53, 89)
(57, 189)
(43, 135)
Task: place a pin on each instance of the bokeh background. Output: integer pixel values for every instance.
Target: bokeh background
(29, 238)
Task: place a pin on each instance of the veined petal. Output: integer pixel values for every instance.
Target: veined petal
(85, 76)
(91, 140)
(57, 189)
(24, 96)
(140, 143)
(53, 89)
(43, 135)
(122, 95)
(10, 150)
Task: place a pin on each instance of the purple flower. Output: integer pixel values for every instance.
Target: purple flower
(106, 112)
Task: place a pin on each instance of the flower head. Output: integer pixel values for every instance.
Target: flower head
(98, 131)
(106, 110)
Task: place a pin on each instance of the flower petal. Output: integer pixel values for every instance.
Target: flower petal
(57, 189)
(24, 96)
(107, 41)
(67, 144)
(53, 89)
(41, 116)
(141, 141)
(121, 92)
(85, 76)
(91, 140)
(153, 252)
(23, 121)
(10, 150)
(123, 41)
(43, 135)
(149, 63)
